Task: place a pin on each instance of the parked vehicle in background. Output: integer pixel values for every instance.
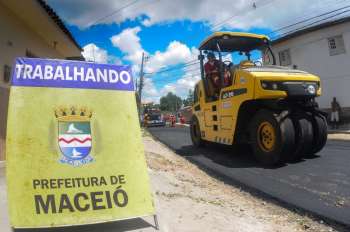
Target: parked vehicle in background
(153, 117)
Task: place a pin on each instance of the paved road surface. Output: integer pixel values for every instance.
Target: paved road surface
(320, 184)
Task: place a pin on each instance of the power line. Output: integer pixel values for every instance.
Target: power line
(190, 70)
(215, 26)
(114, 12)
(187, 70)
(308, 19)
(254, 7)
(310, 24)
(164, 82)
(326, 5)
(189, 63)
(283, 28)
(139, 6)
(194, 75)
(176, 77)
(143, 6)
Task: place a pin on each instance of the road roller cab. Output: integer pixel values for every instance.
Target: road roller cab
(244, 97)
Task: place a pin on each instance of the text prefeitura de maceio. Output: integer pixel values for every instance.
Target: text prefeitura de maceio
(77, 182)
(69, 73)
(81, 200)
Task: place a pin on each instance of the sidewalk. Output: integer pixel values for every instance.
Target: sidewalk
(342, 133)
(341, 130)
(4, 219)
(182, 124)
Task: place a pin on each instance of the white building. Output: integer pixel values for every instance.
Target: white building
(323, 50)
(29, 29)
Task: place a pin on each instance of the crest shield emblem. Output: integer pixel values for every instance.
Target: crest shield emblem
(74, 137)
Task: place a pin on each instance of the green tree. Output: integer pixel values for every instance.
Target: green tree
(170, 102)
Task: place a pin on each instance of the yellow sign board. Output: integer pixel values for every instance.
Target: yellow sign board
(74, 150)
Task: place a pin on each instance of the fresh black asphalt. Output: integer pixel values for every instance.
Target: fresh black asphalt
(320, 184)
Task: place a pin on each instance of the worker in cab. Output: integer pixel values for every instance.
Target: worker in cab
(212, 73)
(211, 69)
(227, 76)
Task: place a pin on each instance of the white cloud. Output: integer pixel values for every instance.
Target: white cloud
(150, 92)
(114, 60)
(185, 83)
(180, 87)
(129, 43)
(175, 53)
(239, 14)
(236, 14)
(93, 53)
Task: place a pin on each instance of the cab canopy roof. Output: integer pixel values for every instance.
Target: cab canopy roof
(233, 41)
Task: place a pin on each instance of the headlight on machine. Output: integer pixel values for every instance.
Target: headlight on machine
(272, 85)
(300, 86)
(311, 89)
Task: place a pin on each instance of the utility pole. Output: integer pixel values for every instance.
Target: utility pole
(141, 76)
(141, 84)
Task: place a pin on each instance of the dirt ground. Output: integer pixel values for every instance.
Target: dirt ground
(187, 199)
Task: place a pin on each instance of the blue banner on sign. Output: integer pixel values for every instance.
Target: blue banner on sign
(71, 74)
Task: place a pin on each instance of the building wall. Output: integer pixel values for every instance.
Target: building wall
(15, 39)
(310, 52)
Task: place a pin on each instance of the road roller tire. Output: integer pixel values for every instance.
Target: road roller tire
(319, 125)
(272, 137)
(303, 136)
(195, 131)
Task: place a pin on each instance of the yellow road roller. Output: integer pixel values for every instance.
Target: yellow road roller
(243, 97)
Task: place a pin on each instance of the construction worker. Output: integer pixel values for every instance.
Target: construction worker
(335, 107)
(182, 119)
(172, 120)
(145, 120)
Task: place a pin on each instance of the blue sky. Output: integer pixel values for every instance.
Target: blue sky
(169, 31)
(154, 38)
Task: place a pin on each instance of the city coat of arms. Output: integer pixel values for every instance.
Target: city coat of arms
(74, 135)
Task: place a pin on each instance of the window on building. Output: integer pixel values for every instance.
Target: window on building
(7, 73)
(336, 45)
(30, 54)
(285, 58)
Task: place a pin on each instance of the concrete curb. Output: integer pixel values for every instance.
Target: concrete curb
(184, 125)
(338, 132)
